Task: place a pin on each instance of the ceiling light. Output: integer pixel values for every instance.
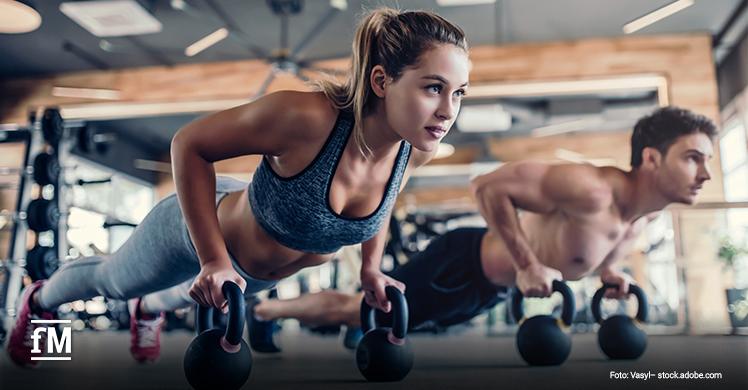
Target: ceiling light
(122, 110)
(455, 3)
(112, 18)
(481, 118)
(567, 87)
(178, 4)
(341, 5)
(656, 15)
(440, 170)
(561, 128)
(569, 155)
(639, 82)
(86, 93)
(206, 42)
(151, 165)
(18, 17)
(578, 158)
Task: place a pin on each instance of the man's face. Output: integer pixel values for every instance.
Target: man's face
(685, 168)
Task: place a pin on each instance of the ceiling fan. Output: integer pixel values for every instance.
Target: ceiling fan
(284, 58)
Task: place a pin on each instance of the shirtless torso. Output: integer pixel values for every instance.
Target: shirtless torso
(574, 246)
(576, 236)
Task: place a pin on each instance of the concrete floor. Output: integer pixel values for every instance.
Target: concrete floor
(469, 360)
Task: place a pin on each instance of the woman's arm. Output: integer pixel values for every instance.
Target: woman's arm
(270, 125)
(373, 281)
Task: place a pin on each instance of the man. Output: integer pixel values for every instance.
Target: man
(577, 219)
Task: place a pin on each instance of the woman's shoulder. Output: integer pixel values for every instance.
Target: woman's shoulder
(306, 115)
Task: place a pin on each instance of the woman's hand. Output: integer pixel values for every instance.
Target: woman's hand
(207, 288)
(373, 283)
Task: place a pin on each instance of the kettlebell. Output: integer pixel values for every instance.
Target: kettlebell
(384, 354)
(542, 340)
(218, 359)
(620, 336)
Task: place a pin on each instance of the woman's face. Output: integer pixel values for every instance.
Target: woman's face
(423, 103)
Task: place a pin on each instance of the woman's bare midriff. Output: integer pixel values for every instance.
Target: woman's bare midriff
(258, 254)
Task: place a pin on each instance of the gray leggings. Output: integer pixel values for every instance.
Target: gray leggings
(158, 262)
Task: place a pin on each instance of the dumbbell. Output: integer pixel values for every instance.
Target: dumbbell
(542, 340)
(46, 169)
(41, 262)
(53, 125)
(40, 215)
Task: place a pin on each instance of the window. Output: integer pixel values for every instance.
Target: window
(734, 160)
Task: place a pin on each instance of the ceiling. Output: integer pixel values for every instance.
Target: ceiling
(61, 45)
(153, 133)
(44, 52)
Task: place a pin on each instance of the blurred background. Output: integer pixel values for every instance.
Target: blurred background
(558, 80)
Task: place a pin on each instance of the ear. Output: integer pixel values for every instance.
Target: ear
(378, 80)
(651, 158)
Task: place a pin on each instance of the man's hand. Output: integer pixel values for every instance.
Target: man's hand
(619, 279)
(537, 280)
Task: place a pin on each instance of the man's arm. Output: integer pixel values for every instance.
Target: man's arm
(608, 269)
(538, 187)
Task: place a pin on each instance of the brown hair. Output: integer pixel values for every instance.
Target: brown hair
(663, 127)
(391, 38)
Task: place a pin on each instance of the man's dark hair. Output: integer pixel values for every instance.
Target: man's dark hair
(660, 129)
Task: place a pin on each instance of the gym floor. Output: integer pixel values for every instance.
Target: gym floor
(466, 360)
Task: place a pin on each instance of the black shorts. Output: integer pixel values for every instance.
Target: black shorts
(445, 283)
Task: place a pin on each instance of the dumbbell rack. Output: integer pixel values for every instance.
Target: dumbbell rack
(46, 128)
(13, 136)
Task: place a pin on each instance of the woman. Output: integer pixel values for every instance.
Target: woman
(334, 162)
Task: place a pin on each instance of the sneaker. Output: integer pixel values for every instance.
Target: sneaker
(352, 336)
(20, 343)
(145, 334)
(260, 332)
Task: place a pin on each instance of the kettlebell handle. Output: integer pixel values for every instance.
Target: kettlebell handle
(641, 297)
(568, 309)
(235, 325)
(399, 313)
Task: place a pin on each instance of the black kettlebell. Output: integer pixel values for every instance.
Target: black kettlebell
(384, 354)
(542, 340)
(620, 336)
(218, 360)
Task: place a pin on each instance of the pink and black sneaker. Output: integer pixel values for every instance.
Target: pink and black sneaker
(20, 342)
(145, 333)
